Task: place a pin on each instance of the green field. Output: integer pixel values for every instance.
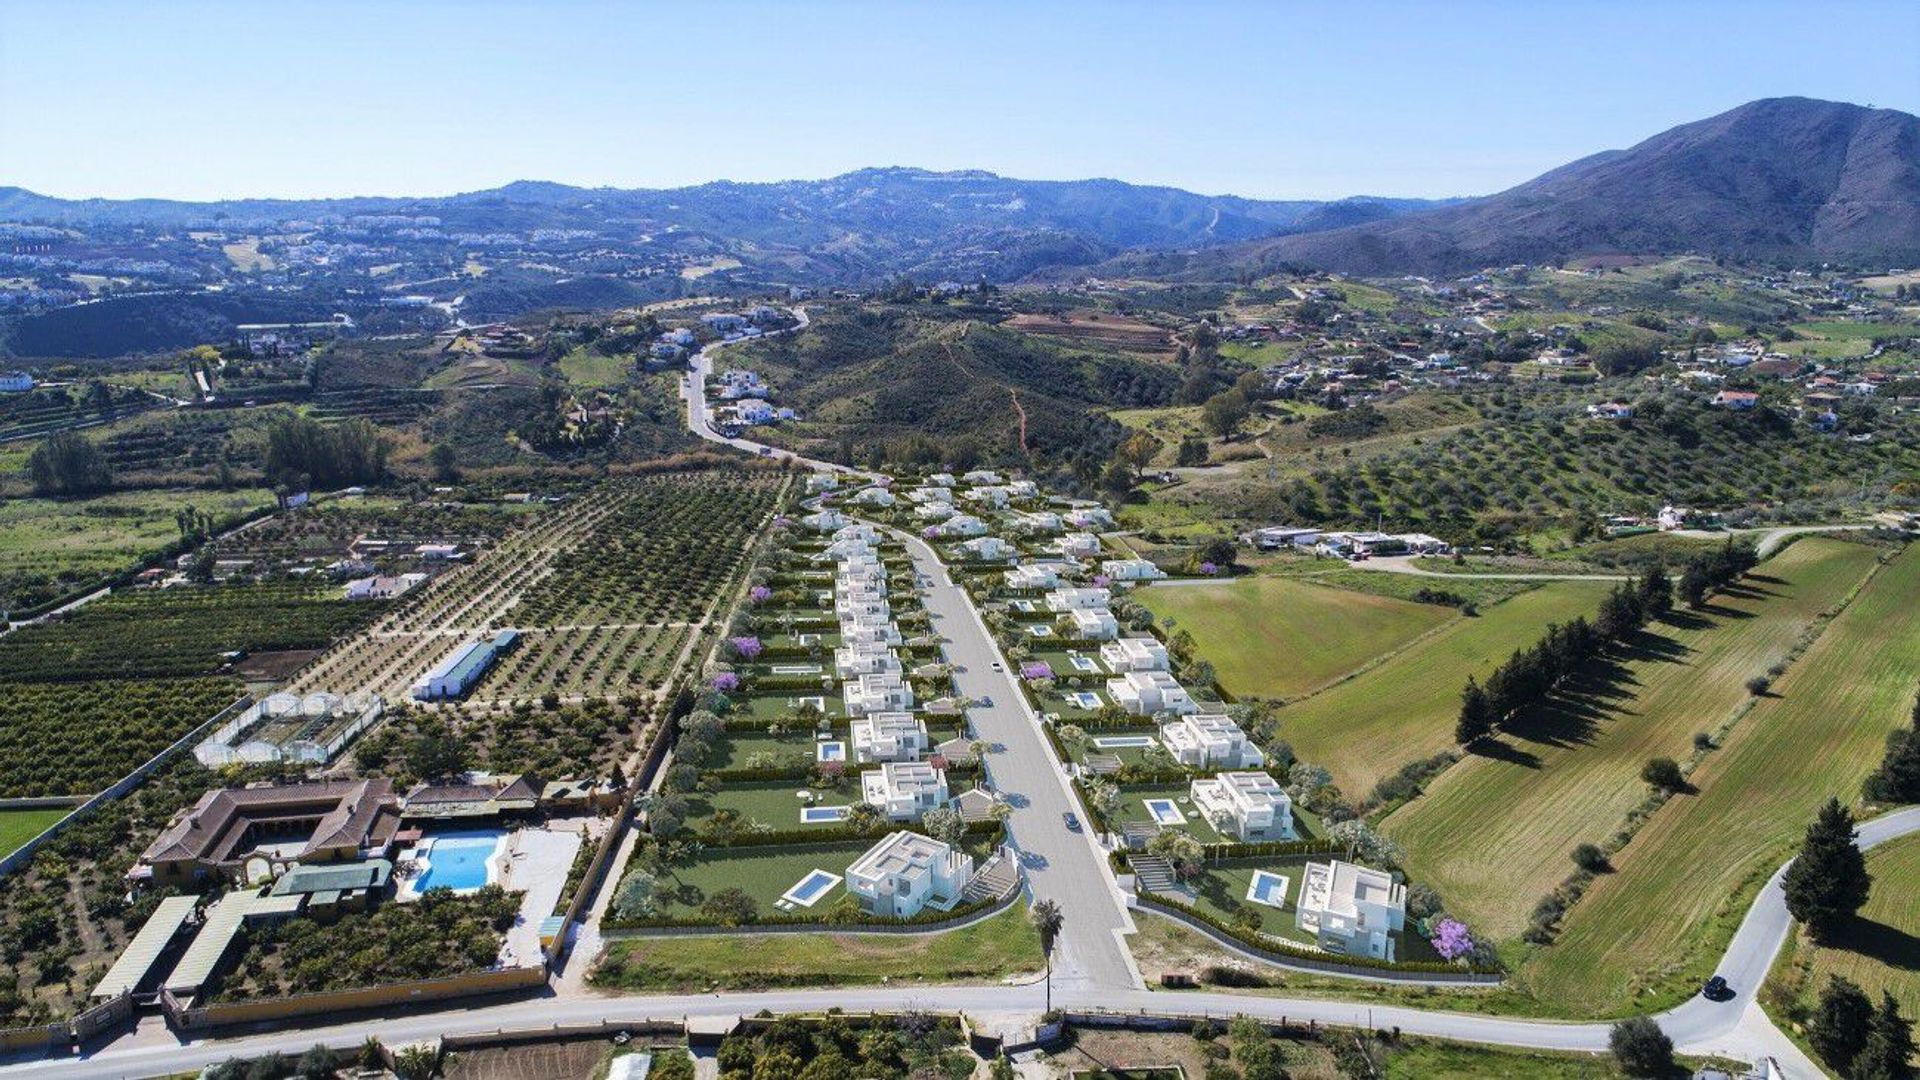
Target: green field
(1657, 924)
(19, 826)
(1879, 951)
(985, 951)
(1493, 833)
(584, 367)
(1404, 709)
(1270, 637)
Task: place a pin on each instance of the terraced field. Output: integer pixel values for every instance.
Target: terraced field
(1404, 709)
(1270, 637)
(1493, 833)
(1679, 888)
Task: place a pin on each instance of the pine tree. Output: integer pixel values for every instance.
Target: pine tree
(1656, 592)
(1840, 1023)
(1888, 1053)
(1476, 714)
(1828, 880)
(1694, 584)
(1898, 778)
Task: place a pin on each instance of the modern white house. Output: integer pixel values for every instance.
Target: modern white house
(850, 550)
(858, 530)
(992, 495)
(1078, 545)
(1131, 570)
(1143, 693)
(889, 736)
(865, 604)
(931, 495)
(1096, 624)
(1245, 805)
(1199, 740)
(874, 496)
(906, 872)
(963, 525)
(940, 480)
(1090, 517)
(986, 548)
(861, 630)
(825, 521)
(865, 658)
(981, 476)
(1038, 522)
(1078, 599)
(1352, 909)
(822, 481)
(903, 790)
(1023, 489)
(868, 694)
(15, 382)
(1033, 576)
(1134, 654)
(934, 511)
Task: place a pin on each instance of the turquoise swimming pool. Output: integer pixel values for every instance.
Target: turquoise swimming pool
(459, 861)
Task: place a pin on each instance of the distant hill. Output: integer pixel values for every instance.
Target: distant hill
(1781, 178)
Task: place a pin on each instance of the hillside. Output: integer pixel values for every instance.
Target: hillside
(1780, 178)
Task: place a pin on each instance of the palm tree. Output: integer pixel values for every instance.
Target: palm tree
(1047, 920)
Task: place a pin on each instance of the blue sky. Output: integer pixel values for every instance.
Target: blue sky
(200, 100)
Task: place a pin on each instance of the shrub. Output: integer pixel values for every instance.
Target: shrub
(1590, 858)
(1759, 685)
(1641, 1048)
(1664, 773)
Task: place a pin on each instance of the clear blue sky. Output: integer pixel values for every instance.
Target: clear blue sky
(188, 99)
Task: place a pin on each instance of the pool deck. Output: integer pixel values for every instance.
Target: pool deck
(537, 861)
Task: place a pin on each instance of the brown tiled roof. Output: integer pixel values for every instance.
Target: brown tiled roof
(357, 812)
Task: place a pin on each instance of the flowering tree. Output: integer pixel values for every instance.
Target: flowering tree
(1101, 581)
(726, 682)
(931, 532)
(759, 594)
(1036, 669)
(1451, 939)
(1209, 569)
(747, 648)
(937, 762)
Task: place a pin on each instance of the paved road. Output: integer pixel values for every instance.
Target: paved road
(693, 387)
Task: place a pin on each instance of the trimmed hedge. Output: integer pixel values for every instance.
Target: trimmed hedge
(1255, 849)
(816, 837)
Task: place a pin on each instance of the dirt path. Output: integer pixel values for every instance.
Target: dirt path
(1019, 410)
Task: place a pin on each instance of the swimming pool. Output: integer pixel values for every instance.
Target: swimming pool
(1123, 742)
(1040, 630)
(1164, 812)
(1085, 699)
(1083, 663)
(830, 751)
(818, 815)
(462, 861)
(1268, 888)
(811, 888)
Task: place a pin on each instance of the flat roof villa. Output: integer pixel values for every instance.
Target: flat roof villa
(865, 658)
(1134, 654)
(875, 694)
(889, 736)
(1078, 545)
(1094, 624)
(906, 872)
(1144, 693)
(1033, 576)
(1246, 805)
(861, 629)
(1198, 740)
(1078, 599)
(1352, 909)
(903, 790)
(325, 821)
(824, 521)
(1131, 570)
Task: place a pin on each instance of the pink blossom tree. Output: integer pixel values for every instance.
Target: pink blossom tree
(746, 648)
(1451, 938)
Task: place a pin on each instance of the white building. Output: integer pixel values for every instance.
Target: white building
(1078, 545)
(15, 382)
(962, 525)
(863, 629)
(903, 790)
(1279, 536)
(1096, 624)
(1090, 517)
(993, 496)
(889, 736)
(1033, 576)
(930, 495)
(1038, 522)
(825, 521)
(940, 480)
(1134, 654)
(858, 530)
(1023, 489)
(1351, 909)
(1199, 740)
(865, 658)
(986, 548)
(1245, 805)
(874, 496)
(1078, 599)
(1144, 693)
(981, 476)
(865, 604)
(1131, 570)
(870, 694)
(382, 588)
(822, 481)
(906, 872)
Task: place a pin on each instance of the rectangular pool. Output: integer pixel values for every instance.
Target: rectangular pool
(808, 890)
(822, 815)
(1164, 812)
(1085, 699)
(830, 751)
(1123, 742)
(1268, 888)
(1084, 663)
(1040, 630)
(796, 669)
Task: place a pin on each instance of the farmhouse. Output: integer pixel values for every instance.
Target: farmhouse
(1279, 536)
(903, 790)
(1131, 570)
(1198, 740)
(1246, 805)
(477, 795)
(1144, 693)
(15, 382)
(876, 693)
(324, 821)
(889, 736)
(1352, 909)
(1134, 654)
(1610, 410)
(906, 872)
(1736, 400)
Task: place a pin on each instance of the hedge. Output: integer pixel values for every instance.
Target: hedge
(1255, 849)
(842, 834)
(1314, 956)
(769, 685)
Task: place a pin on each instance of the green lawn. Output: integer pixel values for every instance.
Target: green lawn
(1421, 1059)
(1493, 833)
(1881, 951)
(1405, 708)
(764, 873)
(773, 804)
(584, 367)
(1272, 637)
(986, 951)
(1656, 925)
(19, 826)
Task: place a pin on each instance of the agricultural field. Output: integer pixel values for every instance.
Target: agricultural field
(49, 547)
(1091, 327)
(19, 826)
(1404, 708)
(78, 738)
(1879, 951)
(1493, 833)
(183, 631)
(587, 738)
(1277, 638)
(1655, 925)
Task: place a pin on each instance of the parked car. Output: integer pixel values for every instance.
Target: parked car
(1716, 989)
(998, 666)
(1073, 821)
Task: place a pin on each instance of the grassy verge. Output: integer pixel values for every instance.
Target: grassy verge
(987, 951)
(19, 826)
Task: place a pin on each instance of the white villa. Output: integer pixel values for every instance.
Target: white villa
(903, 790)
(1078, 599)
(1023, 489)
(1033, 576)
(1097, 624)
(865, 604)
(1198, 740)
(934, 511)
(963, 525)
(1247, 805)
(1131, 570)
(874, 496)
(1038, 522)
(981, 476)
(1078, 545)
(1144, 693)
(851, 550)
(858, 530)
(889, 736)
(986, 548)
(863, 628)
(869, 694)
(1352, 909)
(822, 481)
(824, 521)
(865, 658)
(929, 496)
(905, 872)
(1134, 654)
(940, 480)
(1090, 517)
(995, 497)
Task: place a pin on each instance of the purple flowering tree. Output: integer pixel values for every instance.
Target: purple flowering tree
(726, 682)
(759, 594)
(1101, 581)
(747, 648)
(1209, 569)
(931, 532)
(1036, 669)
(1451, 938)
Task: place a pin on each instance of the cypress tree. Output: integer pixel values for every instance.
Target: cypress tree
(1840, 1023)
(1476, 714)
(1888, 1053)
(1656, 592)
(1898, 778)
(1828, 880)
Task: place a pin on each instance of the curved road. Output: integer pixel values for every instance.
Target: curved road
(1094, 970)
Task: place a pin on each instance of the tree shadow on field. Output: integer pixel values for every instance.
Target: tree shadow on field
(1502, 750)
(1750, 589)
(1684, 619)
(1640, 645)
(1877, 941)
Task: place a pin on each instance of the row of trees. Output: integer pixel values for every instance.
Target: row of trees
(1530, 674)
(1715, 570)
(329, 455)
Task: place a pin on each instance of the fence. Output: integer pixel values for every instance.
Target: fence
(83, 1026)
(192, 1017)
(317, 716)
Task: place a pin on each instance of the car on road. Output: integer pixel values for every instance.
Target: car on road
(766, 451)
(1716, 989)
(998, 666)
(1071, 819)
